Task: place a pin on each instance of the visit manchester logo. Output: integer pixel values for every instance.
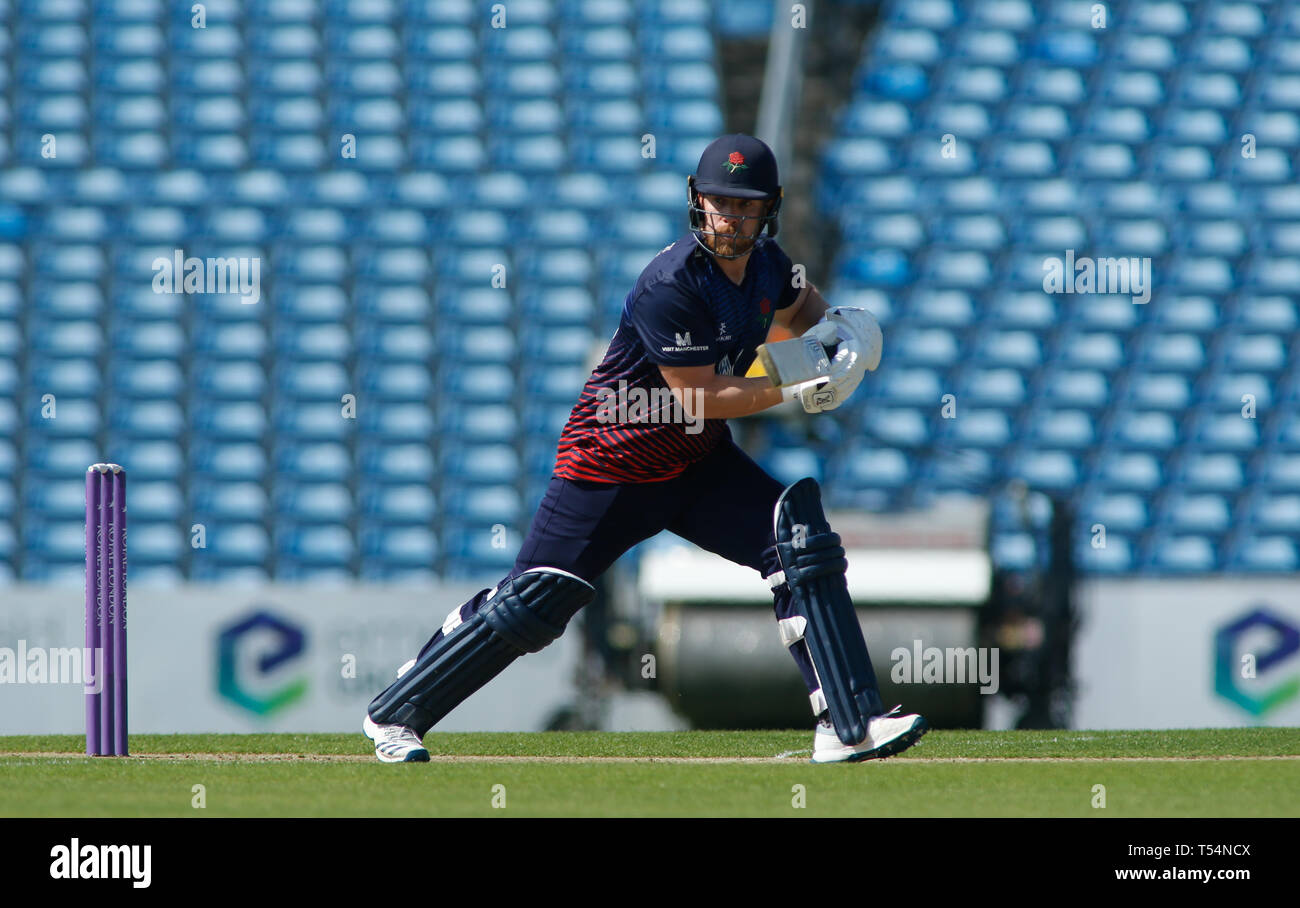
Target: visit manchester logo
(1257, 661)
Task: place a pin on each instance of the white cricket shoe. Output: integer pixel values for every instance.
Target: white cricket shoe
(395, 743)
(887, 735)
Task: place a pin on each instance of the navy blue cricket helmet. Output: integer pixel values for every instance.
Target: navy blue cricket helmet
(740, 167)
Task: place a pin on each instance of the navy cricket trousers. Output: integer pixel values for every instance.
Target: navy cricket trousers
(723, 503)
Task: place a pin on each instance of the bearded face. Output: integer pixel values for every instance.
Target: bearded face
(735, 223)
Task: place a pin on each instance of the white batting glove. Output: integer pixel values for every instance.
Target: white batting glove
(827, 333)
(859, 328)
(858, 346)
(815, 396)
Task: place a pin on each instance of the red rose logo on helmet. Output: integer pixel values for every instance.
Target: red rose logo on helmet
(736, 161)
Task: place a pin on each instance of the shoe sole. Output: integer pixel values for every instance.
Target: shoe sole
(890, 748)
(415, 756)
(894, 747)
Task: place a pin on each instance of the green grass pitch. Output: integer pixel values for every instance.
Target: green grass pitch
(1252, 772)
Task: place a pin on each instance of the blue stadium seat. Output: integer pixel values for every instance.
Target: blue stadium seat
(481, 505)
(481, 464)
(529, 154)
(477, 384)
(1123, 511)
(392, 265)
(480, 424)
(1266, 554)
(229, 460)
(1226, 433)
(1185, 554)
(395, 463)
(897, 426)
(1068, 429)
(917, 386)
(148, 379)
(67, 377)
(54, 541)
(236, 544)
(402, 382)
(412, 504)
(559, 345)
(148, 419)
(680, 79)
(607, 116)
(395, 421)
(1174, 352)
(8, 378)
(395, 344)
(448, 116)
(543, 423)
(321, 381)
(398, 305)
(227, 501)
(981, 428)
(1131, 470)
(879, 468)
(321, 544)
(1277, 513)
(608, 42)
(999, 387)
(558, 305)
(587, 80)
(61, 500)
(1116, 557)
(1123, 87)
(1055, 470)
(314, 462)
(312, 502)
(312, 262)
(81, 338)
(231, 341)
(399, 547)
(1204, 513)
(229, 421)
(148, 340)
(1060, 46)
(1212, 472)
(472, 556)
(155, 501)
(522, 118)
(473, 304)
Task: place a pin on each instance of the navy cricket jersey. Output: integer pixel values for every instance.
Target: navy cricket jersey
(683, 311)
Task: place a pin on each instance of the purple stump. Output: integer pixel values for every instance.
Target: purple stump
(93, 621)
(118, 623)
(106, 727)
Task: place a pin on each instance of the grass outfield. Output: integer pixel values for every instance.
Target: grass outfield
(1251, 772)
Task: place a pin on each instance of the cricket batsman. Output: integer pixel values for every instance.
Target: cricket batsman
(689, 332)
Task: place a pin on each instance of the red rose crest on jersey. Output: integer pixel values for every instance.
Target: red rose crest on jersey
(765, 306)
